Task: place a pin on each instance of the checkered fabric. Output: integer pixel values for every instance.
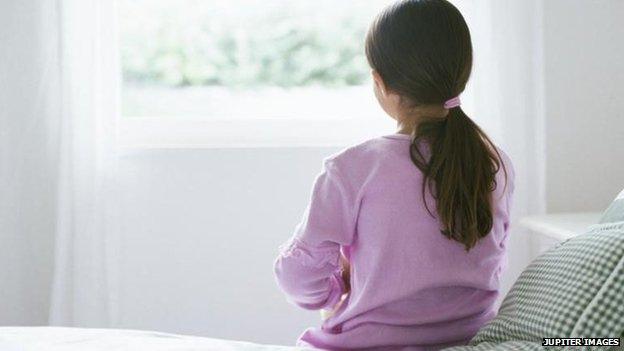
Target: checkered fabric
(605, 313)
(504, 346)
(575, 289)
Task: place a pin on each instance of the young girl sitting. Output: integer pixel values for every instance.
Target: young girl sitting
(404, 238)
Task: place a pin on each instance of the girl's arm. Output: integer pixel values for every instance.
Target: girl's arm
(308, 268)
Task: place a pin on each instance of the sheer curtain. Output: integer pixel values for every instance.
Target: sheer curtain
(57, 178)
(83, 281)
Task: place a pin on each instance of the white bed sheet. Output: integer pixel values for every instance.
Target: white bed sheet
(73, 339)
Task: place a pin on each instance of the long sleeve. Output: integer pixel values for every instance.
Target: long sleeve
(308, 267)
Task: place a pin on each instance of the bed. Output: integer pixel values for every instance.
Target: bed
(71, 339)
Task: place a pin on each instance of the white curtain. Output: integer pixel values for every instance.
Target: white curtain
(59, 98)
(84, 274)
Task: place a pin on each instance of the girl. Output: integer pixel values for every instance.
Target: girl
(405, 234)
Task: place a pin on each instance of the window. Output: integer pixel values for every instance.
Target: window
(246, 72)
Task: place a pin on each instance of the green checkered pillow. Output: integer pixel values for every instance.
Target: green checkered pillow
(575, 289)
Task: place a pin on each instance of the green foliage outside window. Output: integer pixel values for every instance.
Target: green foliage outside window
(193, 45)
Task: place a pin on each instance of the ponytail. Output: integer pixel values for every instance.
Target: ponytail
(423, 52)
(460, 172)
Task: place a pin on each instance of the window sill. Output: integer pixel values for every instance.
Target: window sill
(166, 132)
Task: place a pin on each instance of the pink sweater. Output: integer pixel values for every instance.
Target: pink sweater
(411, 287)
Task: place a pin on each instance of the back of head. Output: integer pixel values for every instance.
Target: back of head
(422, 50)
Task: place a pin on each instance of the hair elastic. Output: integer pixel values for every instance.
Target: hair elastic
(452, 103)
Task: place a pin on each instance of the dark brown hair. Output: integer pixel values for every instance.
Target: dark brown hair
(423, 52)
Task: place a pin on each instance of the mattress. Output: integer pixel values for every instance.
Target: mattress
(66, 339)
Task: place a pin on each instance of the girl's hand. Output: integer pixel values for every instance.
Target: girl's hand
(346, 278)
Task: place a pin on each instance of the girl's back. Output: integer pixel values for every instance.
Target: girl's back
(411, 287)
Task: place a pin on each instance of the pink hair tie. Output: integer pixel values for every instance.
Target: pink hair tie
(452, 103)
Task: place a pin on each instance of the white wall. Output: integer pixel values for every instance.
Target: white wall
(584, 83)
(222, 212)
